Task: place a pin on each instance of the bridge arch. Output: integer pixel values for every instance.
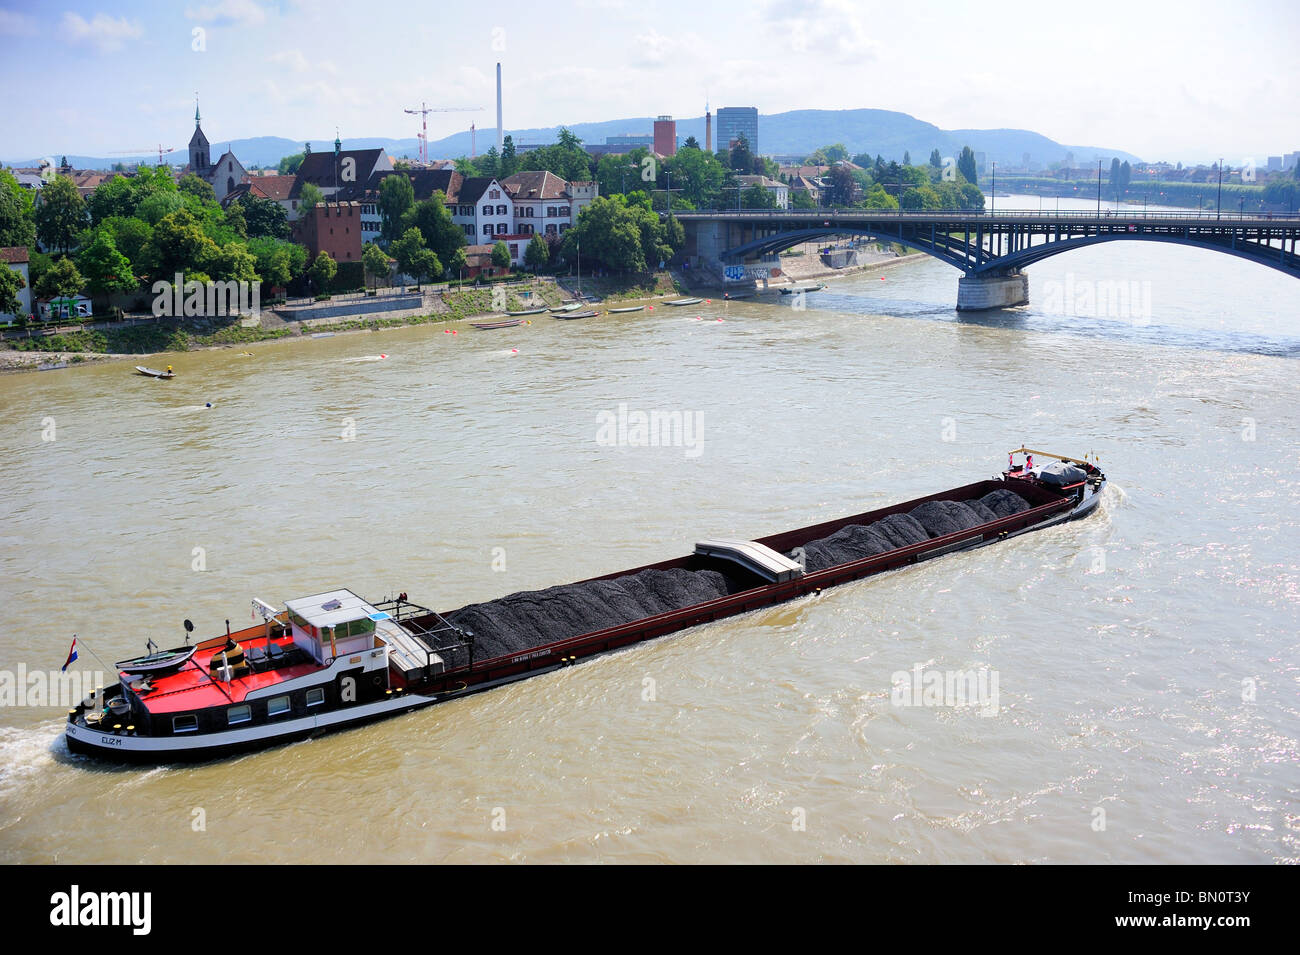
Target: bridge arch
(981, 261)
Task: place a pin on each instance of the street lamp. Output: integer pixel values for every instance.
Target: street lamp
(993, 190)
(1098, 188)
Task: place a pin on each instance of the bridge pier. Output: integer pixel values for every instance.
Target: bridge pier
(976, 292)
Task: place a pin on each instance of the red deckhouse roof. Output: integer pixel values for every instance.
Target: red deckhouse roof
(190, 688)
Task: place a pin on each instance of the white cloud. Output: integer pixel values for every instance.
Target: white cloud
(106, 34)
(823, 28)
(297, 61)
(13, 23)
(225, 12)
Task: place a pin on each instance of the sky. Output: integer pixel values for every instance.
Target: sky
(1178, 82)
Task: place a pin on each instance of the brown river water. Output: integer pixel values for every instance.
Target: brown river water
(1146, 658)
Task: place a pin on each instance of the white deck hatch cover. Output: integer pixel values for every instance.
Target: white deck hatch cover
(761, 559)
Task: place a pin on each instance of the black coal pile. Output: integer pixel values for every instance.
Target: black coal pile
(1004, 503)
(926, 521)
(535, 618)
(946, 517)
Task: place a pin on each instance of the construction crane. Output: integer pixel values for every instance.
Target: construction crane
(424, 111)
(148, 149)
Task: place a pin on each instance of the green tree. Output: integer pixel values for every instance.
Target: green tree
(192, 185)
(756, 197)
(878, 198)
(537, 254)
(235, 220)
(309, 196)
(11, 283)
(431, 217)
(405, 249)
(424, 265)
(156, 207)
(456, 264)
(17, 226)
(289, 164)
(60, 214)
(105, 269)
(396, 197)
(376, 262)
(322, 272)
(277, 262)
(265, 217)
(742, 159)
(500, 255)
(61, 280)
(966, 165)
(691, 143)
(698, 175)
(489, 162)
(509, 164)
(179, 244)
(936, 161)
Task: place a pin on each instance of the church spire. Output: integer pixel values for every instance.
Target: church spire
(196, 109)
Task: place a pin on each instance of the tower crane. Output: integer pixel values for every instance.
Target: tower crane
(424, 111)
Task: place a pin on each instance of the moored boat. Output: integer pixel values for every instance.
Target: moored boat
(508, 323)
(685, 301)
(807, 288)
(568, 307)
(528, 311)
(629, 308)
(333, 660)
(572, 315)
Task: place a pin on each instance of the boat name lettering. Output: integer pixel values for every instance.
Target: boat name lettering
(110, 741)
(529, 656)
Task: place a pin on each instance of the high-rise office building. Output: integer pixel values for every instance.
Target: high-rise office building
(735, 122)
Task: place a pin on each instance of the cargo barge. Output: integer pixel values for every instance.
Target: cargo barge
(332, 660)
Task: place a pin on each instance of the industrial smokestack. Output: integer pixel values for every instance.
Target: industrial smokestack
(708, 131)
(500, 131)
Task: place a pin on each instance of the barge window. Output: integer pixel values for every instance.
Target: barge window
(239, 714)
(315, 696)
(277, 705)
(187, 723)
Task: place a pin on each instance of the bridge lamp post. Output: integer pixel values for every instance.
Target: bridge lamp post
(1098, 188)
(993, 190)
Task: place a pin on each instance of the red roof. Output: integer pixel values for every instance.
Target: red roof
(14, 254)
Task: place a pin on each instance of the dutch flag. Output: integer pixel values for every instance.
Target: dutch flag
(72, 654)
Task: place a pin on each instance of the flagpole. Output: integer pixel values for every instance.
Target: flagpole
(94, 654)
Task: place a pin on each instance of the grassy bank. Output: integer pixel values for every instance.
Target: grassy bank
(184, 334)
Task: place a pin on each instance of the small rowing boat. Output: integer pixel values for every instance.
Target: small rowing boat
(154, 372)
(568, 307)
(629, 308)
(528, 311)
(806, 288)
(509, 323)
(685, 301)
(573, 315)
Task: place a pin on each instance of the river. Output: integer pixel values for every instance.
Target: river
(1146, 657)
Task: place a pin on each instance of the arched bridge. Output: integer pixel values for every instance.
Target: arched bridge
(991, 249)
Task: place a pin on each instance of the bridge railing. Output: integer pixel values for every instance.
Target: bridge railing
(1040, 214)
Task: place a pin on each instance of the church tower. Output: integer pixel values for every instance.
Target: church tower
(200, 154)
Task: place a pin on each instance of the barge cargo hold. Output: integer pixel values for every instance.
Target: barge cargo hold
(333, 660)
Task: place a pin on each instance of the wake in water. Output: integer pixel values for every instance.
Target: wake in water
(362, 358)
(28, 752)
